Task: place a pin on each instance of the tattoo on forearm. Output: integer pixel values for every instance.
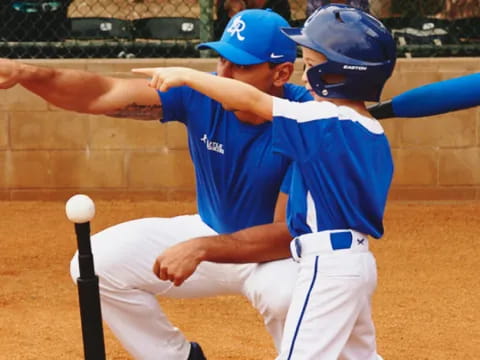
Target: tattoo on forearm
(140, 112)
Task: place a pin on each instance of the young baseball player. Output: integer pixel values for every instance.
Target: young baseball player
(341, 175)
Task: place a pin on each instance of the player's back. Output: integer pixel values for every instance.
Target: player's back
(342, 167)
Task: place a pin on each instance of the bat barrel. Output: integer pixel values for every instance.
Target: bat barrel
(440, 97)
(89, 297)
(432, 99)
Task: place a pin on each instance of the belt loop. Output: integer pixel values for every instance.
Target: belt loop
(296, 249)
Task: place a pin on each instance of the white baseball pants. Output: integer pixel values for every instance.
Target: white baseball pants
(330, 315)
(124, 256)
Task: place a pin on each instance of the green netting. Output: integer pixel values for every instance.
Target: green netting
(172, 28)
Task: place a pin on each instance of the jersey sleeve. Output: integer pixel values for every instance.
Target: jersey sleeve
(287, 181)
(173, 104)
(182, 103)
(296, 93)
(301, 129)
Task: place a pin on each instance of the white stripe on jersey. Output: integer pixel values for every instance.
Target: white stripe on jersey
(311, 218)
(318, 110)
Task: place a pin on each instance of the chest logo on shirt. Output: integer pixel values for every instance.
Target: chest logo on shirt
(212, 145)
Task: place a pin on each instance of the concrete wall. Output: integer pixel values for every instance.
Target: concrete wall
(47, 153)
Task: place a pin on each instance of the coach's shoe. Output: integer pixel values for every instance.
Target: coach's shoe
(196, 352)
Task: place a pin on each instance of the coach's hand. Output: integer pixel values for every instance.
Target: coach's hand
(178, 262)
(9, 73)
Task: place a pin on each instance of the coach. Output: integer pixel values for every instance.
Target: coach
(238, 180)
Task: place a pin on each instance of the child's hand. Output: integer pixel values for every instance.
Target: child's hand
(165, 78)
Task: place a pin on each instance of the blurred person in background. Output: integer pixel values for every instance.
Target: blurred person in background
(225, 9)
(312, 5)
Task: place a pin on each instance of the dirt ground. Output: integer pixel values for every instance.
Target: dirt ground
(426, 305)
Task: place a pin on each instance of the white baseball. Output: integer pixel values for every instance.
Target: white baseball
(80, 209)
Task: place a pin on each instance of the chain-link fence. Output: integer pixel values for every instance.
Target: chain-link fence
(172, 28)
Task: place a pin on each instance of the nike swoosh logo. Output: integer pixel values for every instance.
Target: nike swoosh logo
(274, 56)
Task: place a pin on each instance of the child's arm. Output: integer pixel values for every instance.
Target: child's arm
(232, 94)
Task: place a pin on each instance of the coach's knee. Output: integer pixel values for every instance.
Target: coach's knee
(101, 264)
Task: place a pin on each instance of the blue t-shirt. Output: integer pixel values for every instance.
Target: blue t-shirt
(342, 167)
(238, 176)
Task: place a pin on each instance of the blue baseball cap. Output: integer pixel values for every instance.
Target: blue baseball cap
(253, 37)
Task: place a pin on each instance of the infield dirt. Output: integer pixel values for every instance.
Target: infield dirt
(426, 305)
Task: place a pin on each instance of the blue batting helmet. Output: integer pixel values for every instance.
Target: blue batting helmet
(356, 45)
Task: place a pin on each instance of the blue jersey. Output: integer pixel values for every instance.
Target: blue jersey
(238, 176)
(342, 167)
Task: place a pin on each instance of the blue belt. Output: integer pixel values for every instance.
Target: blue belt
(328, 241)
(338, 240)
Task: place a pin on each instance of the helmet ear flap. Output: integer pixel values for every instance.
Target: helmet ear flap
(317, 81)
(361, 82)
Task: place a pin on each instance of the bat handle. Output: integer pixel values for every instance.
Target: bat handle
(382, 110)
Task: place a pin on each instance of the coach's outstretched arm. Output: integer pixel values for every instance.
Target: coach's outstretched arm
(84, 91)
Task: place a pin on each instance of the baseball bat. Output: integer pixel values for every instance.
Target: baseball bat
(89, 297)
(432, 99)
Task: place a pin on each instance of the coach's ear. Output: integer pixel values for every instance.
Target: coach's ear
(282, 74)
